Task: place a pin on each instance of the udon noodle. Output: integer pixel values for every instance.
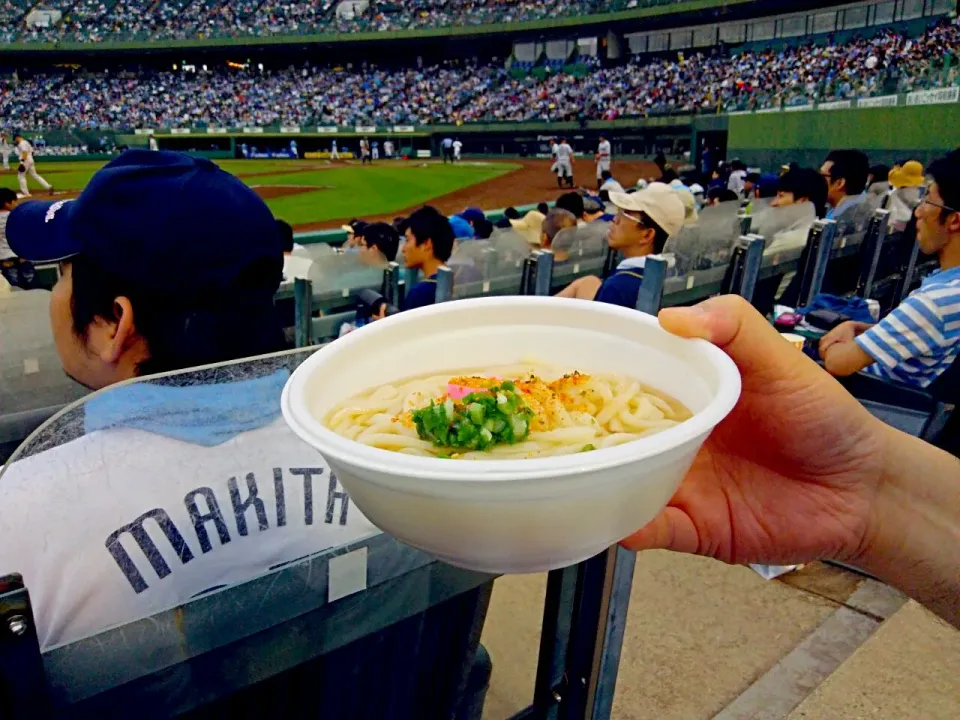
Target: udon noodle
(559, 413)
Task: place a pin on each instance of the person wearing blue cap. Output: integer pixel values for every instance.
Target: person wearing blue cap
(168, 488)
(167, 262)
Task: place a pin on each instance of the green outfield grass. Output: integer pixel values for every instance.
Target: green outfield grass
(340, 191)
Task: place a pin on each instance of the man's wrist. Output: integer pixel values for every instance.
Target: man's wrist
(913, 533)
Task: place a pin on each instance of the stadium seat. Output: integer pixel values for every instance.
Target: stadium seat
(284, 644)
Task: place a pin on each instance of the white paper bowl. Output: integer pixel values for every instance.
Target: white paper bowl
(513, 516)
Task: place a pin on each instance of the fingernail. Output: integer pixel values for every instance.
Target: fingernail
(693, 311)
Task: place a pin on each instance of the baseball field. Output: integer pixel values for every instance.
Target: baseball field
(313, 195)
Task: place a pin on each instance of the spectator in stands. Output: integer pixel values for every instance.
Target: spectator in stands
(920, 339)
(294, 266)
(379, 244)
(645, 220)
(717, 195)
(168, 262)
(354, 230)
(802, 185)
(738, 175)
(750, 183)
(804, 192)
(555, 221)
(429, 243)
(877, 180)
(846, 174)
(16, 271)
(572, 202)
(543, 208)
(482, 228)
(118, 311)
(462, 229)
(595, 208)
(530, 226)
(608, 183)
(903, 188)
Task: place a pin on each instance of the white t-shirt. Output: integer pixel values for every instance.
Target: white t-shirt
(612, 185)
(25, 151)
(153, 144)
(603, 150)
(5, 252)
(124, 523)
(564, 152)
(456, 146)
(735, 182)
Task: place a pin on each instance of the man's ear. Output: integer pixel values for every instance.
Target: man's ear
(953, 222)
(119, 332)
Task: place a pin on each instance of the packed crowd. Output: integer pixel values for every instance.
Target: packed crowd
(454, 93)
(99, 20)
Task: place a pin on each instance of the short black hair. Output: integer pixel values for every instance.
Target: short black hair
(428, 223)
(482, 229)
(184, 332)
(7, 196)
(286, 233)
(384, 238)
(852, 166)
(606, 175)
(880, 173)
(511, 213)
(808, 184)
(669, 175)
(753, 177)
(660, 236)
(573, 202)
(359, 227)
(945, 172)
(542, 208)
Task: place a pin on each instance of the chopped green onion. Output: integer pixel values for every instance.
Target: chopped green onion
(588, 447)
(480, 421)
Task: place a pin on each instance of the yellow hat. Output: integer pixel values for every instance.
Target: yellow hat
(910, 175)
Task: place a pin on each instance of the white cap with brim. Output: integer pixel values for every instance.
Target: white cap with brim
(530, 226)
(659, 202)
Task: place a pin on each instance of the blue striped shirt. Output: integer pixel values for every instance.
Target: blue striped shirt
(921, 337)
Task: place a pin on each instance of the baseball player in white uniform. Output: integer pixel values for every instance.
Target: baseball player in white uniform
(603, 159)
(25, 152)
(365, 151)
(457, 148)
(152, 144)
(388, 149)
(564, 163)
(6, 150)
(334, 155)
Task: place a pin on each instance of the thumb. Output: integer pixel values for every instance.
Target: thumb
(670, 530)
(735, 326)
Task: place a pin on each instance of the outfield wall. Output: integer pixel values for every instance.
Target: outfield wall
(886, 134)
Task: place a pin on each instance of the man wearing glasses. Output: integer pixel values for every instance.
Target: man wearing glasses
(920, 339)
(644, 221)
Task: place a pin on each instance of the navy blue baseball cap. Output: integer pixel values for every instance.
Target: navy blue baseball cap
(174, 224)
